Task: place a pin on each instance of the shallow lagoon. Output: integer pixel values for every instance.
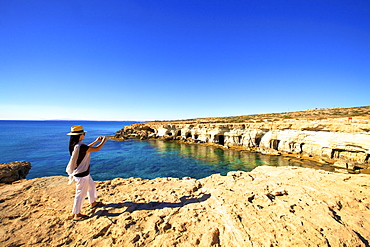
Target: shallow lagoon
(156, 158)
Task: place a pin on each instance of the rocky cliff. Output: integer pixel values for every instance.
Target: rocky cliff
(343, 142)
(284, 206)
(10, 172)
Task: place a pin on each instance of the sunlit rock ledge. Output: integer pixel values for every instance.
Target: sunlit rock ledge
(343, 143)
(270, 206)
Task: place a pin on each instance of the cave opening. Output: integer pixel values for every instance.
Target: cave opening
(274, 144)
(221, 140)
(240, 138)
(258, 140)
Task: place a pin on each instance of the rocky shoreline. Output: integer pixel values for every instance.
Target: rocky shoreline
(342, 143)
(10, 172)
(270, 206)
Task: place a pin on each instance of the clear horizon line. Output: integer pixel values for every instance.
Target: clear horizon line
(104, 120)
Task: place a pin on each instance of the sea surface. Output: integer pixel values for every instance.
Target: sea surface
(45, 145)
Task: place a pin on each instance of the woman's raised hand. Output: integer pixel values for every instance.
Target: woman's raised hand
(102, 139)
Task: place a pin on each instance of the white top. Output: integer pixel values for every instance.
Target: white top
(72, 168)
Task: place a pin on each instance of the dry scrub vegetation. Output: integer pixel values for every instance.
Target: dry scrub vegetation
(311, 114)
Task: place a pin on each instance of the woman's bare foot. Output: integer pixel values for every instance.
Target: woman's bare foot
(96, 204)
(78, 217)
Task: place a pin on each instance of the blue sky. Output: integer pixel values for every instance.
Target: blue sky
(157, 60)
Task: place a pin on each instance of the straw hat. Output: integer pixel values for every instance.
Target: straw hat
(77, 130)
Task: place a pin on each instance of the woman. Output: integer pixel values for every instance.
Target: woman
(78, 169)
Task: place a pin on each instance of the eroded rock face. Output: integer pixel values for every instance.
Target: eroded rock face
(10, 172)
(333, 140)
(270, 206)
(331, 145)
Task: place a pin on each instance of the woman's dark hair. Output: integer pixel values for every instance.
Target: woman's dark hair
(72, 142)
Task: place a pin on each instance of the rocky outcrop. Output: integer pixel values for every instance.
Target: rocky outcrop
(334, 141)
(10, 172)
(270, 206)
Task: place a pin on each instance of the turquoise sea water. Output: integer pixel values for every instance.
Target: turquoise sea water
(45, 145)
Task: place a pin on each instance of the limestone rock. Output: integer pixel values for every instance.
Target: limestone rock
(270, 206)
(333, 140)
(10, 172)
(342, 164)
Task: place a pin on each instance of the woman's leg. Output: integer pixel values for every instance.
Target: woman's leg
(91, 192)
(81, 190)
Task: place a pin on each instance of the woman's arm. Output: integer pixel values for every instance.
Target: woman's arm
(100, 145)
(96, 141)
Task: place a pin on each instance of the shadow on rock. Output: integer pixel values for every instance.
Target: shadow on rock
(135, 206)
